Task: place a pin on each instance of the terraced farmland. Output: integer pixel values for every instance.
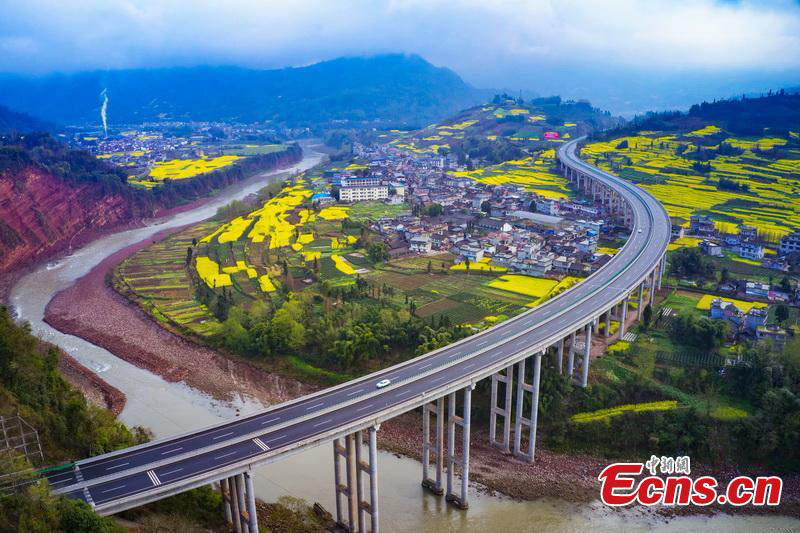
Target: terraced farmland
(158, 280)
(755, 181)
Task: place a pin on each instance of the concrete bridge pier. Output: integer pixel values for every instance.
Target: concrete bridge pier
(520, 419)
(607, 332)
(352, 490)
(571, 356)
(586, 352)
(560, 357)
(436, 446)
(623, 316)
(652, 296)
(459, 500)
(641, 302)
(239, 502)
(505, 411)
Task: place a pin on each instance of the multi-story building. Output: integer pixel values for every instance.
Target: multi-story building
(790, 243)
(360, 194)
(751, 250)
(701, 225)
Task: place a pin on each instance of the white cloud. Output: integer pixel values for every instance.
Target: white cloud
(474, 37)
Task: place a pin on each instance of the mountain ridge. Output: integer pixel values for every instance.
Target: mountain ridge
(384, 89)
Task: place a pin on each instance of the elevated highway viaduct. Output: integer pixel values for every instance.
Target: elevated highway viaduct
(350, 415)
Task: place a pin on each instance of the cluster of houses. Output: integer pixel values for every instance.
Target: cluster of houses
(752, 324)
(503, 225)
(746, 243)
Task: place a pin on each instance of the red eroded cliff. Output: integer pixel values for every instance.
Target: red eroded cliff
(41, 215)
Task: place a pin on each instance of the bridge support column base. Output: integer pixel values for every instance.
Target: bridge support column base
(432, 487)
(455, 500)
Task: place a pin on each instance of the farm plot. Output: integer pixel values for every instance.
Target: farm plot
(158, 280)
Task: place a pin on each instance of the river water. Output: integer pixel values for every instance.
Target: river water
(173, 408)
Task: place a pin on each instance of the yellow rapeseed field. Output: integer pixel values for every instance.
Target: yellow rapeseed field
(705, 303)
(605, 414)
(179, 169)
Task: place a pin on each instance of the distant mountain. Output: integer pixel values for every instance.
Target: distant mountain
(11, 121)
(401, 89)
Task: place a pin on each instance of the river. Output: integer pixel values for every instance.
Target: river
(172, 408)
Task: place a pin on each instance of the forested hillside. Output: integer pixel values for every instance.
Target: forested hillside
(69, 428)
(52, 197)
(11, 121)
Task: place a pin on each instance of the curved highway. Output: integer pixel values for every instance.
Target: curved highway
(131, 477)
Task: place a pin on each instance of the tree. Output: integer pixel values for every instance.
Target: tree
(782, 313)
(430, 266)
(486, 206)
(724, 275)
(434, 210)
(786, 284)
(647, 316)
(466, 262)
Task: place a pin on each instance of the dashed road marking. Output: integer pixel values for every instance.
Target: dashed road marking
(355, 392)
(276, 439)
(116, 466)
(223, 435)
(225, 455)
(171, 472)
(172, 450)
(270, 420)
(323, 422)
(315, 406)
(364, 407)
(113, 489)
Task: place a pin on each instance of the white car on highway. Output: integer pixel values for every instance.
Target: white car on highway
(382, 383)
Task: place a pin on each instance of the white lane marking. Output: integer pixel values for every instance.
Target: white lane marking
(172, 450)
(469, 365)
(355, 392)
(454, 355)
(320, 404)
(318, 424)
(261, 444)
(223, 435)
(281, 437)
(171, 472)
(403, 393)
(364, 407)
(112, 490)
(270, 420)
(423, 367)
(520, 343)
(116, 466)
(225, 455)
(440, 378)
(153, 477)
(482, 343)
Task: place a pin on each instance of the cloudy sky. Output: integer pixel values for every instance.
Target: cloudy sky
(577, 48)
